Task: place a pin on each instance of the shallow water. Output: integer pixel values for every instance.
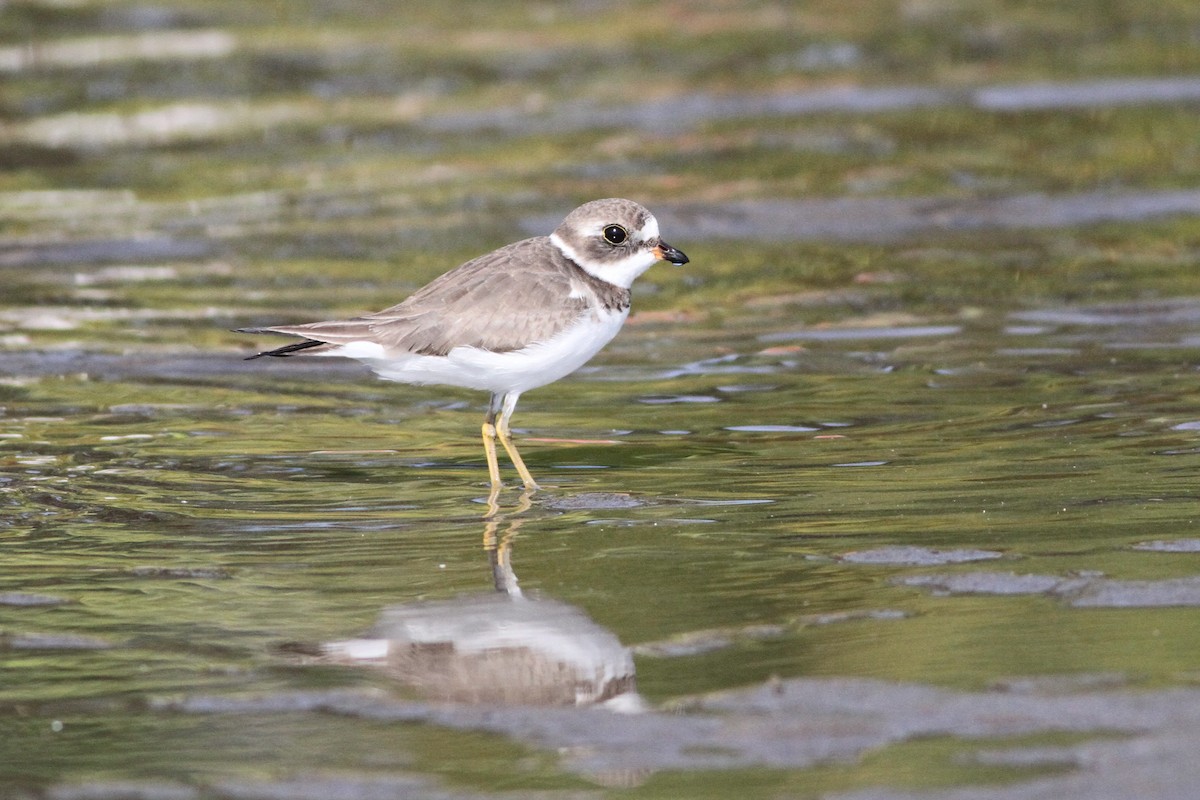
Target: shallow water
(728, 517)
(889, 493)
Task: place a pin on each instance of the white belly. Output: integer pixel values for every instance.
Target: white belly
(513, 371)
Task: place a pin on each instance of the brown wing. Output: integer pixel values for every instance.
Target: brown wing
(500, 301)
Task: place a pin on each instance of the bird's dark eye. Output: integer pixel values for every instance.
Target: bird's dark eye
(615, 234)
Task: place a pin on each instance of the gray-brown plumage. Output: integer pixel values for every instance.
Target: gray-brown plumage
(524, 292)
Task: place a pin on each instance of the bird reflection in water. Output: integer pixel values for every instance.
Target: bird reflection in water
(499, 648)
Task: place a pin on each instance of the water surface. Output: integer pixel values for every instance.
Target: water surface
(889, 493)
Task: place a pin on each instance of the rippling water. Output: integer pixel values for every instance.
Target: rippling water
(892, 486)
(728, 517)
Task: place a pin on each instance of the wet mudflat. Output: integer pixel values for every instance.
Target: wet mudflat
(890, 493)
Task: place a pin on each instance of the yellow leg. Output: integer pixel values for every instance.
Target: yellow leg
(514, 456)
(489, 450)
(502, 406)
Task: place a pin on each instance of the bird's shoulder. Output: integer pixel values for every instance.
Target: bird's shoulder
(533, 268)
(504, 300)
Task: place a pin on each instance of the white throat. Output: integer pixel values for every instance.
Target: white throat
(619, 273)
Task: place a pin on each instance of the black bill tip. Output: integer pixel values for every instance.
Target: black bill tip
(672, 254)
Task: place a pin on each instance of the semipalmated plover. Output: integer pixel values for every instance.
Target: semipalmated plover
(515, 319)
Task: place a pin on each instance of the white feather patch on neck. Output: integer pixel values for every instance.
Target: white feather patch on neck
(619, 273)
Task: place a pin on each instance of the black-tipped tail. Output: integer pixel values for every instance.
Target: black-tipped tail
(279, 352)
